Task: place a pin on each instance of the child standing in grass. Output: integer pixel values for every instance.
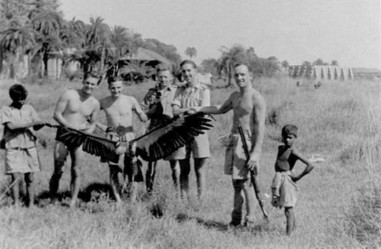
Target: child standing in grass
(284, 189)
(19, 142)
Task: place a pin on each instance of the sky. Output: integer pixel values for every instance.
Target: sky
(348, 31)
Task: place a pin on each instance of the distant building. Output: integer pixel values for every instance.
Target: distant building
(321, 72)
(367, 73)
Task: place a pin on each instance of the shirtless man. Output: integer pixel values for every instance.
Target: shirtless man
(249, 110)
(76, 109)
(118, 109)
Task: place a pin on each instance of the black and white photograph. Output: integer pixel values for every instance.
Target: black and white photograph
(190, 124)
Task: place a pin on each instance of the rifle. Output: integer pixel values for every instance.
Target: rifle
(253, 176)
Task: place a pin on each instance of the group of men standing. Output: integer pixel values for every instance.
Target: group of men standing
(78, 109)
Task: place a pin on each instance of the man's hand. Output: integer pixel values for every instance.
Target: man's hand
(252, 166)
(38, 125)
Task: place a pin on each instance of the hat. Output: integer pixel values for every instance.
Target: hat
(290, 130)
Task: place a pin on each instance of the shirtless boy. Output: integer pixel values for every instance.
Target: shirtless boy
(284, 189)
(118, 109)
(249, 110)
(76, 109)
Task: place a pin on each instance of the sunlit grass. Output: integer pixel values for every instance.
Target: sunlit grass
(340, 122)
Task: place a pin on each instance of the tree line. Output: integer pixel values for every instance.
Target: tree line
(36, 30)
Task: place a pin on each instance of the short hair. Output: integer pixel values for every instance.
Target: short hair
(163, 67)
(113, 79)
(93, 75)
(242, 64)
(188, 62)
(18, 92)
(290, 129)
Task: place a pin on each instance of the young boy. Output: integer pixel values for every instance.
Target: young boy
(118, 108)
(21, 159)
(284, 189)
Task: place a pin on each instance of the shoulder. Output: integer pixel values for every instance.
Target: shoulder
(129, 99)
(70, 94)
(234, 95)
(28, 107)
(258, 98)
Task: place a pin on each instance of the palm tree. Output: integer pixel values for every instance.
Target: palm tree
(209, 65)
(191, 52)
(229, 58)
(15, 42)
(98, 39)
(264, 67)
(48, 24)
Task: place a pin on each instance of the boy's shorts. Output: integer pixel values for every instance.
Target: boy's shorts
(199, 147)
(284, 190)
(21, 160)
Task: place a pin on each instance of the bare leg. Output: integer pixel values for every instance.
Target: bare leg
(175, 167)
(131, 169)
(76, 158)
(29, 178)
(114, 182)
(237, 203)
(200, 176)
(16, 179)
(248, 190)
(290, 216)
(150, 175)
(184, 177)
(60, 154)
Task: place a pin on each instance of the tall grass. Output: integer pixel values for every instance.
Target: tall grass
(339, 200)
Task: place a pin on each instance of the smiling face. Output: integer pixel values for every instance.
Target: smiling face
(242, 76)
(188, 72)
(89, 85)
(116, 88)
(165, 78)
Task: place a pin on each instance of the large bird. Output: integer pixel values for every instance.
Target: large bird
(152, 146)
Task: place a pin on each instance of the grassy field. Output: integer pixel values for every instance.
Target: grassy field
(339, 202)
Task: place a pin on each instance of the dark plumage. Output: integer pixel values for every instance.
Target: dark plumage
(152, 146)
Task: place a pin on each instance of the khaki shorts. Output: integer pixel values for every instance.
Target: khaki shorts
(235, 158)
(199, 147)
(21, 160)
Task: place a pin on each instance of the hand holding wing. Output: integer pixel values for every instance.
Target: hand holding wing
(170, 136)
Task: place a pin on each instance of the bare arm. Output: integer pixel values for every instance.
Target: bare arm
(60, 108)
(218, 109)
(307, 170)
(257, 130)
(35, 122)
(138, 110)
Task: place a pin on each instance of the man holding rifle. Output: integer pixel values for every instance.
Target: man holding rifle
(249, 110)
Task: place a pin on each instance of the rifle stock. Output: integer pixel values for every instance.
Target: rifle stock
(252, 175)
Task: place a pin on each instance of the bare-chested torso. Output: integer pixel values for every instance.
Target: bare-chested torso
(77, 109)
(118, 110)
(243, 109)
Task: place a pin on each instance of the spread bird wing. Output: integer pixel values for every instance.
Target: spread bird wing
(91, 143)
(170, 136)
